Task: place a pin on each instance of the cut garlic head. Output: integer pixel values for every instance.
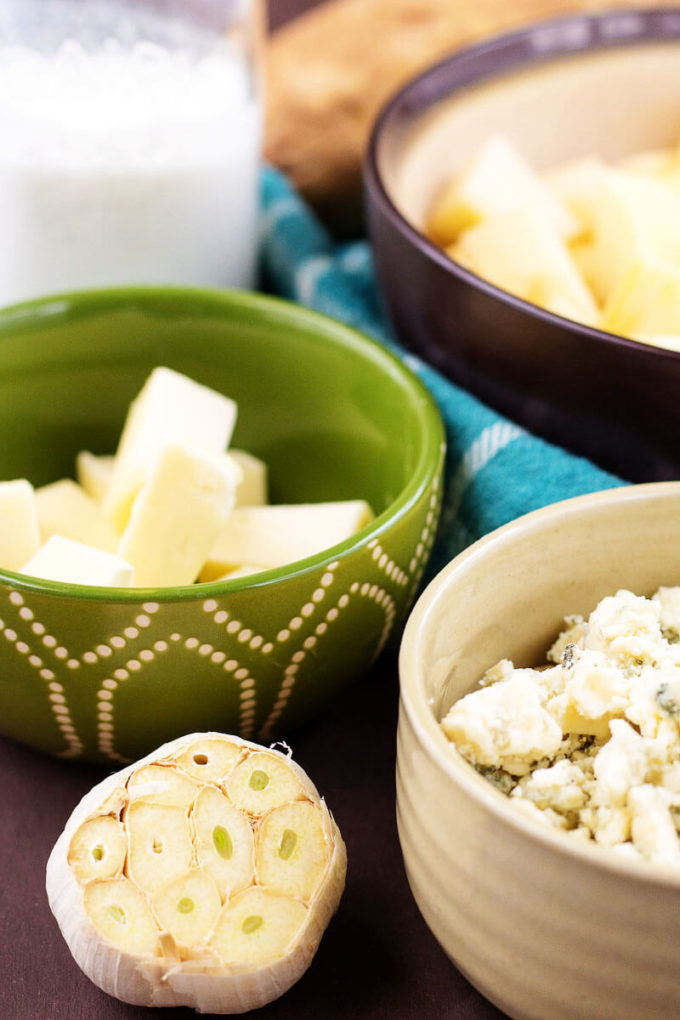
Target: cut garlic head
(203, 875)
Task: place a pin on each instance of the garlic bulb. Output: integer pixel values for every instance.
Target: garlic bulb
(203, 875)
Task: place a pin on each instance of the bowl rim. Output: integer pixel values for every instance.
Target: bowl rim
(416, 708)
(502, 55)
(432, 435)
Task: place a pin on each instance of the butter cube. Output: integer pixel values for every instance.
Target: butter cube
(62, 559)
(66, 509)
(93, 472)
(178, 515)
(170, 408)
(253, 488)
(245, 570)
(271, 536)
(19, 534)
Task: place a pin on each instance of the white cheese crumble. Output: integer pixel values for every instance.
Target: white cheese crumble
(589, 744)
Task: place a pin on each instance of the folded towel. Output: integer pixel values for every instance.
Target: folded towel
(495, 470)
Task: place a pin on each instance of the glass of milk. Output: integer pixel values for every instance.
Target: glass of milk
(130, 136)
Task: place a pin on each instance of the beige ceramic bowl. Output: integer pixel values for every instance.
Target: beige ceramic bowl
(546, 929)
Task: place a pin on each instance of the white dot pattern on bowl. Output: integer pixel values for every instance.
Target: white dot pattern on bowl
(261, 671)
(56, 697)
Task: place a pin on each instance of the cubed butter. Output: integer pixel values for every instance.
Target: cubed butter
(62, 559)
(245, 570)
(273, 536)
(178, 515)
(253, 488)
(170, 408)
(93, 472)
(66, 509)
(19, 534)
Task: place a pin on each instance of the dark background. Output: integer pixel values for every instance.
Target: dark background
(282, 10)
(377, 960)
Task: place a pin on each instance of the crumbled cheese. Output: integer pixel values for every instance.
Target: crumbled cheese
(626, 627)
(573, 633)
(669, 600)
(620, 765)
(591, 744)
(504, 725)
(558, 786)
(653, 831)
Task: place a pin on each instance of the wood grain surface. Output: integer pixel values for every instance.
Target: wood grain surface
(332, 68)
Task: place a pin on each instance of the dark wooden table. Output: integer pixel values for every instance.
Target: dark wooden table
(378, 961)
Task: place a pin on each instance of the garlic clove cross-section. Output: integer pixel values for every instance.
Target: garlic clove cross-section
(98, 848)
(203, 875)
(224, 841)
(262, 781)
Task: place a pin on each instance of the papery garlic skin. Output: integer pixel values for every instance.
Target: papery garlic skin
(224, 971)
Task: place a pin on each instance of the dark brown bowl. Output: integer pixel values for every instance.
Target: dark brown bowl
(607, 84)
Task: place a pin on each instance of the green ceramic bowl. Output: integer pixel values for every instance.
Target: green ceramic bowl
(106, 674)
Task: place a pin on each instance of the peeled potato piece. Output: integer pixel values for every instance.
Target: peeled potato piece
(209, 889)
(496, 181)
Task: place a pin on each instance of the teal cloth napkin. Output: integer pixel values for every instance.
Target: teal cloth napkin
(495, 470)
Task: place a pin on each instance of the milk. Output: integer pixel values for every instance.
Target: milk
(126, 164)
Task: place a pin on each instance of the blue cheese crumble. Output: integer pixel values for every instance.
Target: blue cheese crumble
(590, 743)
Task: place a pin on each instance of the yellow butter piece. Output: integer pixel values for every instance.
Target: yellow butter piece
(272, 536)
(253, 488)
(64, 508)
(93, 472)
(178, 515)
(62, 559)
(244, 570)
(19, 534)
(170, 408)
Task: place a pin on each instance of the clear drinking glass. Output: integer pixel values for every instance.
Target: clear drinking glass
(130, 143)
